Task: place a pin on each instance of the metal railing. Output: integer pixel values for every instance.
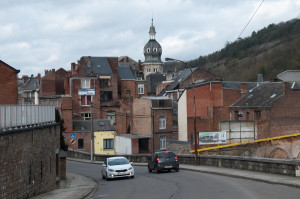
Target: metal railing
(19, 116)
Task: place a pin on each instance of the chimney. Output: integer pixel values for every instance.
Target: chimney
(39, 76)
(24, 79)
(260, 78)
(89, 62)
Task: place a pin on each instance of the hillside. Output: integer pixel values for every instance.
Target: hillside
(270, 51)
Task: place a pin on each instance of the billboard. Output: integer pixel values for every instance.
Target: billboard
(86, 91)
(212, 137)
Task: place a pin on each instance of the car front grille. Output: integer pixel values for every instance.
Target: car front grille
(123, 170)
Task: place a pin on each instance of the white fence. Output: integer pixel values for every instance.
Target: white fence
(19, 116)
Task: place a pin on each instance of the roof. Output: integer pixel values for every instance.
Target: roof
(181, 76)
(237, 85)
(98, 125)
(99, 65)
(263, 96)
(125, 73)
(17, 71)
(32, 84)
(290, 76)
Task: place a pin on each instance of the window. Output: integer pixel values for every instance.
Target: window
(111, 115)
(148, 50)
(161, 103)
(162, 122)
(106, 95)
(257, 115)
(80, 143)
(155, 50)
(140, 88)
(127, 93)
(162, 142)
(108, 144)
(148, 69)
(155, 69)
(86, 116)
(85, 100)
(104, 82)
(85, 83)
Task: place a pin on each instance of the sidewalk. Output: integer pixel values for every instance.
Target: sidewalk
(77, 186)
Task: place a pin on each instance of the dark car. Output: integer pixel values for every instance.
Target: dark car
(164, 160)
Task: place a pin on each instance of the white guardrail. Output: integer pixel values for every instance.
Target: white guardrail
(19, 116)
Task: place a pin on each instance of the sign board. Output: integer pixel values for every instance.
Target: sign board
(86, 91)
(65, 137)
(72, 136)
(212, 137)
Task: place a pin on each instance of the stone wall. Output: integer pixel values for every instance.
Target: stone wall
(28, 161)
(266, 165)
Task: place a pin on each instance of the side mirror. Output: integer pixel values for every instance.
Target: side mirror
(131, 163)
(104, 165)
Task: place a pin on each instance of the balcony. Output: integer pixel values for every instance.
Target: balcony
(22, 116)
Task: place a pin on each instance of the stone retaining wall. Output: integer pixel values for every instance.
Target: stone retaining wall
(266, 165)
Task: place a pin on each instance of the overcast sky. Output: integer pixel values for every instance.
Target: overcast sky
(36, 35)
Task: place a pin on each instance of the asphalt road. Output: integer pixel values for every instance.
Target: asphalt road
(178, 185)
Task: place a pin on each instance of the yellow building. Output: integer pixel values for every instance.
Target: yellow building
(104, 138)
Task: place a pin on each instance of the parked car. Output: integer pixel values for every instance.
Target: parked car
(164, 160)
(117, 167)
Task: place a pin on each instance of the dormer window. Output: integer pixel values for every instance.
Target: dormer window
(155, 50)
(148, 50)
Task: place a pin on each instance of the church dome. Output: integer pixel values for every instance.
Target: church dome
(152, 49)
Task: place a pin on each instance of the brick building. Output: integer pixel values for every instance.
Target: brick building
(153, 116)
(212, 101)
(273, 106)
(8, 84)
(29, 91)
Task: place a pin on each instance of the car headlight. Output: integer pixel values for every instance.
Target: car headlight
(110, 170)
(130, 168)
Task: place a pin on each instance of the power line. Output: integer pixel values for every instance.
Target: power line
(250, 19)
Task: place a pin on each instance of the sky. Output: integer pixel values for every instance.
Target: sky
(38, 35)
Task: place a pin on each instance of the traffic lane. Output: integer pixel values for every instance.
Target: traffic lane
(182, 184)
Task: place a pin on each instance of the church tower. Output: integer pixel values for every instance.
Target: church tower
(152, 53)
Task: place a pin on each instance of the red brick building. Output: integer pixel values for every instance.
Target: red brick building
(274, 107)
(212, 101)
(8, 84)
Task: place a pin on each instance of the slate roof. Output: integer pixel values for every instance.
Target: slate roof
(152, 80)
(32, 84)
(99, 125)
(181, 76)
(99, 65)
(237, 85)
(263, 96)
(125, 73)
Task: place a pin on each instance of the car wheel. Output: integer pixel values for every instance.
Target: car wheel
(177, 169)
(156, 171)
(149, 170)
(103, 177)
(107, 179)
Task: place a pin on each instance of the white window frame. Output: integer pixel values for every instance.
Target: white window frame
(154, 69)
(140, 88)
(86, 116)
(111, 116)
(148, 69)
(162, 122)
(163, 142)
(85, 83)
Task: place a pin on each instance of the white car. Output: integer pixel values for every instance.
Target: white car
(117, 167)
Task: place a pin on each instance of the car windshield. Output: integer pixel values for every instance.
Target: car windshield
(166, 155)
(118, 161)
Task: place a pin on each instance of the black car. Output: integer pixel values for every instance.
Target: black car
(164, 160)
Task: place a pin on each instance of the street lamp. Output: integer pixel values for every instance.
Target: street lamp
(194, 106)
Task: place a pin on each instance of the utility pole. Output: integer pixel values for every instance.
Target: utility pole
(92, 132)
(194, 107)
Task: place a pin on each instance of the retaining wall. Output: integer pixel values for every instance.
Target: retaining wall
(266, 165)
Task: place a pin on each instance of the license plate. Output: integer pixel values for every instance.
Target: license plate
(168, 167)
(122, 173)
